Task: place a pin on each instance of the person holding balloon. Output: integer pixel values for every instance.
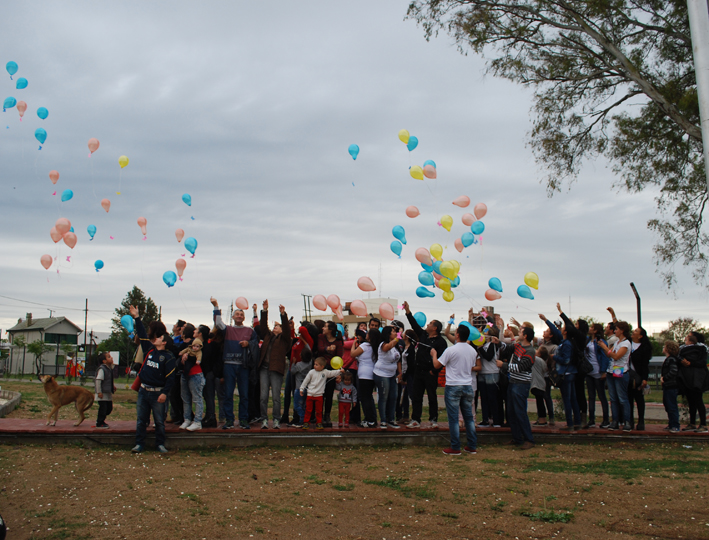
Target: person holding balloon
(365, 351)
(330, 344)
(489, 380)
(387, 373)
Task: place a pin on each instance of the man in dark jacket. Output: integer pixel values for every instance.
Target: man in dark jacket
(577, 333)
(640, 364)
(694, 379)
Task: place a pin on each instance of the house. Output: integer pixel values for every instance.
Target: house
(54, 331)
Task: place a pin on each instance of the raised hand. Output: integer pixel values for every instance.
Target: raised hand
(265, 305)
(134, 312)
(214, 302)
(281, 309)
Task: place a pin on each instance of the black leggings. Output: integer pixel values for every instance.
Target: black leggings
(364, 394)
(696, 405)
(104, 409)
(637, 397)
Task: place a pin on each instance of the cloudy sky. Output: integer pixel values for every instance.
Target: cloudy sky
(250, 107)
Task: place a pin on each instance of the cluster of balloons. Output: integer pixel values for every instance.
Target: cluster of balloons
(333, 302)
(495, 287)
(428, 170)
(397, 245)
(437, 273)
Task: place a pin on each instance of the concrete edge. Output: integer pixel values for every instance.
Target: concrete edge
(14, 400)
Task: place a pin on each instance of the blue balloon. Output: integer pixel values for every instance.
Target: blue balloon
(127, 323)
(42, 112)
(98, 264)
(477, 228)
(341, 329)
(353, 150)
(187, 199)
(426, 279)
(399, 233)
(191, 245)
(495, 284)
(420, 318)
(455, 282)
(91, 229)
(40, 135)
(169, 278)
(474, 332)
(525, 292)
(429, 162)
(423, 292)
(468, 239)
(11, 68)
(9, 103)
(21, 83)
(413, 143)
(427, 268)
(67, 194)
(437, 267)
(396, 247)
(71, 229)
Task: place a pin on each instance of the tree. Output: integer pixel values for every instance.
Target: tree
(39, 348)
(18, 342)
(678, 329)
(612, 78)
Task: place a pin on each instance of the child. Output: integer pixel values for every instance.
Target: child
(300, 370)
(347, 398)
(192, 385)
(104, 389)
(670, 369)
(314, 385)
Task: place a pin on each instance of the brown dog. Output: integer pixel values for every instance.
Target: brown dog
(60, 395)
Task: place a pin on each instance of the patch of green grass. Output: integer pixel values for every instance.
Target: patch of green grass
(46, 513)
(400, 484)
(386, 524)
(488, 460)
(189, 496)
(548, 516)
(498, 506)
(550, 498)
(313, 478)
(449, 515)
(627, 469)
(343, 487)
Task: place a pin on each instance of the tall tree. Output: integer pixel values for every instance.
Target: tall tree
(38, 348)
(678, 329)
(612, 78)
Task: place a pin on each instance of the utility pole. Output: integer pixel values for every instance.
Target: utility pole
(160, 313)
(306, 307)
(86, 317)
(698, 12)
(50, 312)
(637, 300)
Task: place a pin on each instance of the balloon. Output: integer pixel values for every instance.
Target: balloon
(9, 103)
(180, 264)
(11, 68)
(463, 201)
(447, 222)
(340, 316)
(448, 296)
(423, 256)
(169, 278)
(386, 310)
(55, 234)
(359, 308)
(495, 284)
(187, 199)
(525, 292)
(413, 143)
(106, 204)
(54, 176)
(320, 302)
(336, 361)
(191, 246)
(427, 268)
(366, 284)
(241, 303)
(412, 211)
(420, 318)
(416, 172)
(91, 229)
(480, 341)
(21, 108)
(456, 265)
(142, 223)
(437, 267)
(467, 239)
(46, 261)
(455, 282)
(42, 112)
(423, 292)
(480, 210)
(67, 194)
(459, 245)
(448, 270)
(333, 302)
(21, 83)
(436, 251)
(478, 227)
(532, 279)
(468, 219)
(70, 239)
(98, 264)
(127, 323)
(40, 135)
(71, 230)
(444, 284)
(492, 294)
(63, 226)
(179, 234)
(399, 233)
(353, 150)
(429, 162)
(425, 278)
(396, 247)
(123, 161)
(404, 136)
(429, 171)
(93, 146)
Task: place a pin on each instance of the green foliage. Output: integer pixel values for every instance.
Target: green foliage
(623, 469)
(38, 348)
(678, 329)
(548, 516)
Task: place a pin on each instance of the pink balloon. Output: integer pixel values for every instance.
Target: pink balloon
(320, 302)
(181, 264)
(339, 314)
(359, 308)
(70, 239)
(21, 108)
(480, 210)
(333, 301)
(179, 234)
(437, 277)
(106, 204)
(386, 310)
(459, 245)
(54, 176)
(93, 145)
(142, 223)
(46, 261)
(366, 284)
(423, 256)
(55, 234)
(63, 226)
(468, 219)
(242, 303)
(463, 201)
(412, 211)
(492, 294)
(429, 171)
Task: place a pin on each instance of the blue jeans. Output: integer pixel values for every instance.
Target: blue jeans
(618, 392)
(461, 397)
(517, 395)
(191, 389)
(571, 404)
(147, 402)
(386, 395)
(669, 400)
(236, 375)
(299, 405)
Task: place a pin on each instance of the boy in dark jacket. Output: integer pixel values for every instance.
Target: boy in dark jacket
(104, 389)
(670, 370)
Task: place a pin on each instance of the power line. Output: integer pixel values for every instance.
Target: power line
(51, 305)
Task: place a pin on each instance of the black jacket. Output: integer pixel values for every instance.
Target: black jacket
(424, 362)
(670, 371)
(695, 376)
(640, 358)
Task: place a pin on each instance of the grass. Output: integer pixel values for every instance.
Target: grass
(548, 516)
(400, 484)
(626, 469)
(343, 487)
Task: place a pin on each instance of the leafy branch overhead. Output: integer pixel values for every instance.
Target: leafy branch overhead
(611, 78)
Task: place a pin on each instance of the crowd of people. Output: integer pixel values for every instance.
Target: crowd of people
(188, 377)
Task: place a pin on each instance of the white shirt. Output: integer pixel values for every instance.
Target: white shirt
(622, 362)
(459, 361)
(386, 362)
(315, 381)
(365, 365)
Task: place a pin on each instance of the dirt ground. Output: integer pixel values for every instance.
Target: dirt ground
(552, 491)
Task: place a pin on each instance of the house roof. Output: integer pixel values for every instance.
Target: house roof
(41, 324)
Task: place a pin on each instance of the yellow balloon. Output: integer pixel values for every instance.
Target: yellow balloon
(480, 341)
(448, 270)
(456, 264)
(404, 136)
(123, 161)
(336, 362)
(447, 222)
(448, 296)
(444, 284)
(436, 252)
(531, 280)
(416, 172)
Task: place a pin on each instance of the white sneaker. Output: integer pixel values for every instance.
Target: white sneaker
(276, 424)
(264, 424)
(194, 426)
(186, 424)
(382, 426)
(434, 424)
(413, 424)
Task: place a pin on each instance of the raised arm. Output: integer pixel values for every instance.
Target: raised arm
(414, 325)
(140, 329)
(217, 314)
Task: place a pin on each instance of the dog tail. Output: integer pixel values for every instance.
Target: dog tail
(91, 403)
